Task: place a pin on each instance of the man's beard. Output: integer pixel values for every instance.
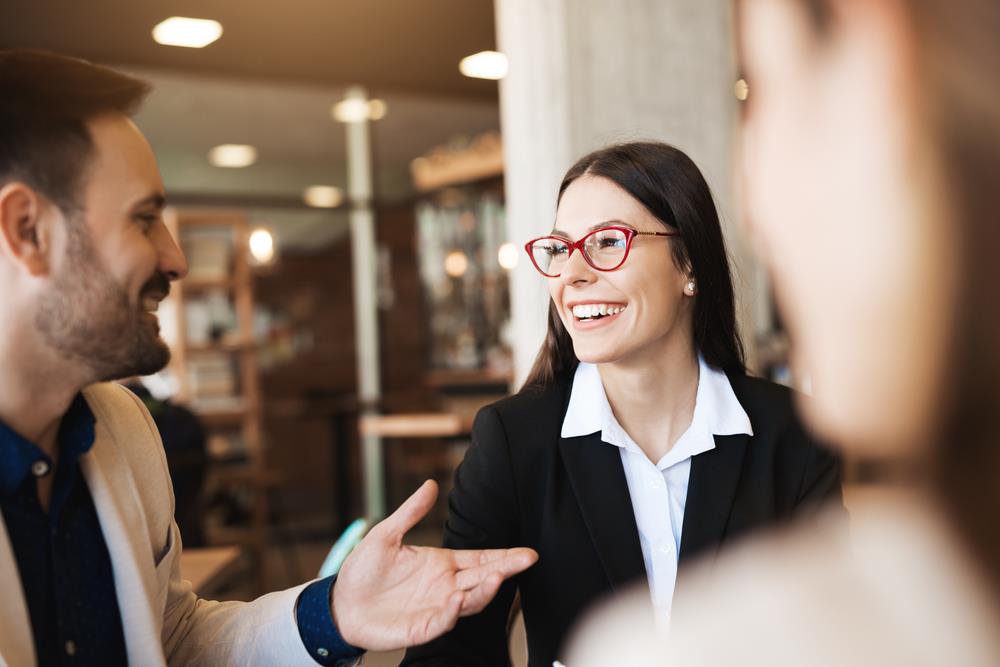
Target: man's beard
(88, 320)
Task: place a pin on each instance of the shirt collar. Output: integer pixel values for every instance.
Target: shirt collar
(17, 454)
(717, 411)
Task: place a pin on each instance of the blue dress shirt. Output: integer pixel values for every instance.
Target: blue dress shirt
(65, 568)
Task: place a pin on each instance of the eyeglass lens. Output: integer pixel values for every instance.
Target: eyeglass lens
(605, 248)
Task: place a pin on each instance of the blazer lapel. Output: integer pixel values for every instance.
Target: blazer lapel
(17, 646)
(127, 536)
(711, 491)
(598, 481)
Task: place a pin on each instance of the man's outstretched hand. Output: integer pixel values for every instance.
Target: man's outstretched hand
(389, 595)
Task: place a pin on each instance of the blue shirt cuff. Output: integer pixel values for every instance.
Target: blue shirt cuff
(316, 628)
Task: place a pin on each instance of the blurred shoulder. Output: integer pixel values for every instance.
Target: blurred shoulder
(892, 590)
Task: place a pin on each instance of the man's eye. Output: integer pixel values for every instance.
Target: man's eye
(147, 219)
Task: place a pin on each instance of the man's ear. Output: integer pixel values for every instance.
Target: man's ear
(26, 227)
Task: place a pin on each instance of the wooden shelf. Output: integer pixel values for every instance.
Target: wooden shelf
(415, 425)
(221, 418)
(205, 285)
(210, 348)
(236, 418)
(475, 378)
(246, 474)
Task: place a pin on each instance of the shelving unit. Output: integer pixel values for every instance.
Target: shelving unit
(215, 366)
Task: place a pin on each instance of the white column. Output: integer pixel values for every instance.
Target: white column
(585, 73)
(366, 336)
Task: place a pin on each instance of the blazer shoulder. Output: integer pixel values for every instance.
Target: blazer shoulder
(132, 432)
(532, 401)
(529, 418)
(769, 405)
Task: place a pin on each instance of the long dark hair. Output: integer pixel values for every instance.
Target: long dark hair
(671, 187)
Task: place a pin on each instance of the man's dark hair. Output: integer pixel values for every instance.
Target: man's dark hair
(45, 103)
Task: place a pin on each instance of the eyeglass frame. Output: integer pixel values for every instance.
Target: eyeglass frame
(630, 234)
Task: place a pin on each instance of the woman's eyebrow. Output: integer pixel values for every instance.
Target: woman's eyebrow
(606, 223)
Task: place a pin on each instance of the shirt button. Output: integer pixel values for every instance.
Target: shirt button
(71, 647)
(322, 652)
(656, 482)
(39, 468)
(666, 548)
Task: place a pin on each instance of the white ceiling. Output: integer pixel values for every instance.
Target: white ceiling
(298, 144)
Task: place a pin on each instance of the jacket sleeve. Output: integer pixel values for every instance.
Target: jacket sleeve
(482, 514)
(196, 631)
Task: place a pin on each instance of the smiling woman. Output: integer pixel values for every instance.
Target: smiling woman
(638, 441)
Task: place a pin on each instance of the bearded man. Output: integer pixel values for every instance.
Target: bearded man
(89, 550)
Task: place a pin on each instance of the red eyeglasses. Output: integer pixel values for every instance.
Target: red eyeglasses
(604, 249)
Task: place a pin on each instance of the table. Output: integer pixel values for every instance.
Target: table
(209, 568)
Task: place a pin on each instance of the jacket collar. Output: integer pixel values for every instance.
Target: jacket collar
(597, 476)
(126, 533)
(717, 412)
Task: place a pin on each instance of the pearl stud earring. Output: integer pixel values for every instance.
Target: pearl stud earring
(690, 287)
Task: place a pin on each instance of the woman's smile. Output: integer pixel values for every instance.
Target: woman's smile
(593, 314)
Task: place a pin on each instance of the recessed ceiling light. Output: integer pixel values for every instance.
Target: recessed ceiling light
(377, 109)
(456, 264)
(323, 196)
(355, 110)
(508, 256)
(262, 246)
(232, 156)
(188, 32)
(484, 65)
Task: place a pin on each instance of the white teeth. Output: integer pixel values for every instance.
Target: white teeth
(591, 310)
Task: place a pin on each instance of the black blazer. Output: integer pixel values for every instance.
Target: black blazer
(522, 484)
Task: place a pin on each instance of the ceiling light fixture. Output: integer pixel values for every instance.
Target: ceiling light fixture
(484, 65)
(508, 256)
(323, 196)
(187, 32)
(456, 264)
(377, 109)
(355, 110)
(262, 246)
(232, 156)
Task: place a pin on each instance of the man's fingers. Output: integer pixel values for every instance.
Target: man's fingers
(516, 560)
(441, 621)
(409, 513)
(480, 596)
(507, 562)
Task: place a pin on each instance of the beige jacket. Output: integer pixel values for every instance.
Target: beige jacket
(163, 620)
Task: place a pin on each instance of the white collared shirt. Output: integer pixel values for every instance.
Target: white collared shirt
(658, 490)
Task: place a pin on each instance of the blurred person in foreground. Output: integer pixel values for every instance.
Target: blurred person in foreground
(639, 442)
(871, 169)
(89, 549)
